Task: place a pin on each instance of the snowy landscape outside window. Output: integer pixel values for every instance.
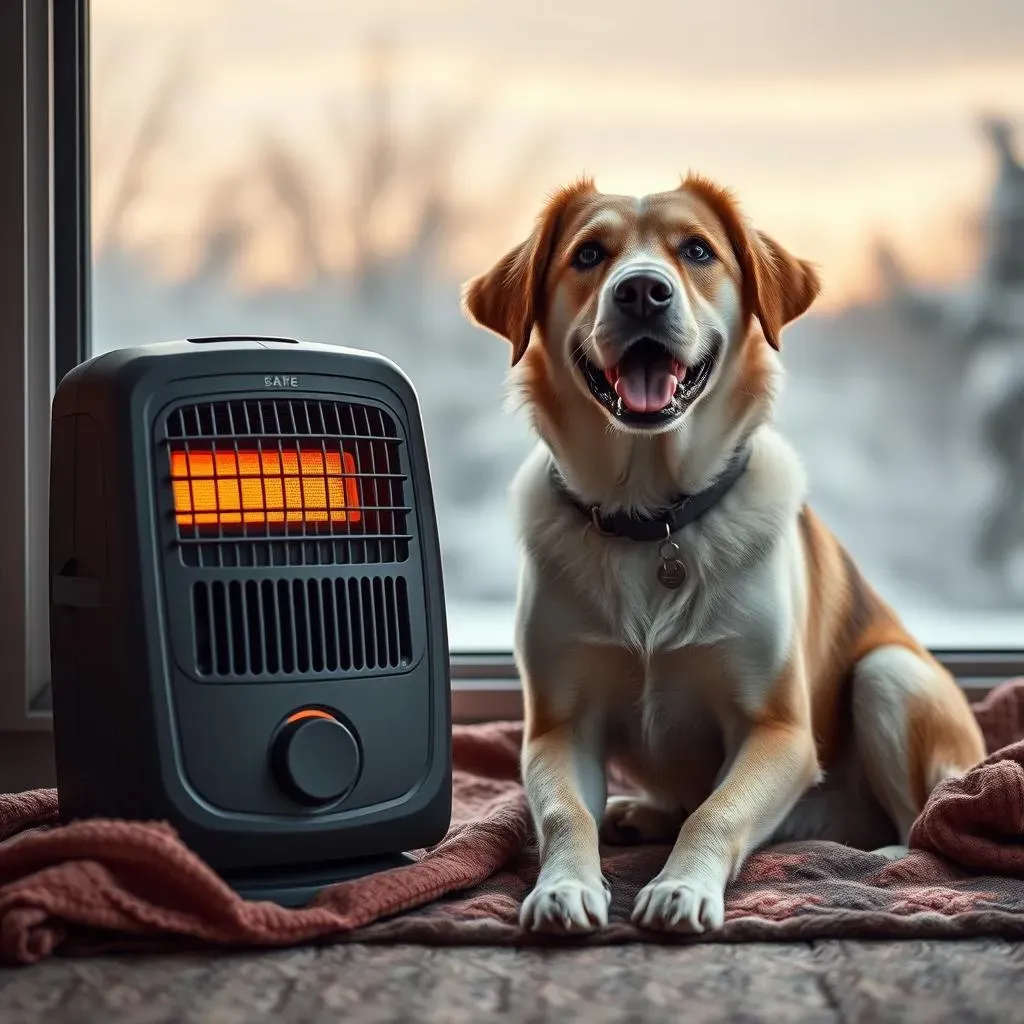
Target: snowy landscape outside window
(332, 171)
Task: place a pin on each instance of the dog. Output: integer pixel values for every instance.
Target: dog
(682, 613)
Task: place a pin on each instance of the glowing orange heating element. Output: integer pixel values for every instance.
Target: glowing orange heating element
(229, 488)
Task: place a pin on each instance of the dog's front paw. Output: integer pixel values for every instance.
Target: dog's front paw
(566, 906)
(631, 819)
(680, 905)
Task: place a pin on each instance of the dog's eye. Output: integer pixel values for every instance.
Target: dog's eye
(588, 256)
(696, 250)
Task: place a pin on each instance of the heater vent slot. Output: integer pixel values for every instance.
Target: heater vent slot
(300, 627)
(287, 482)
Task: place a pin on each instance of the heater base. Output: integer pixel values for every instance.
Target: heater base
(298, 887)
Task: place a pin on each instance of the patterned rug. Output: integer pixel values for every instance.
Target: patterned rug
(101, 885)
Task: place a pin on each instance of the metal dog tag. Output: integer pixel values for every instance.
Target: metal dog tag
(671, 572)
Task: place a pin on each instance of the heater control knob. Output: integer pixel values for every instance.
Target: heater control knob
(314, 758)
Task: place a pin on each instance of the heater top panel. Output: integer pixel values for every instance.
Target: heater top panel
(271, 365)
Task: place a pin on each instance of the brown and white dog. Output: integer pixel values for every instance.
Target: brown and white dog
(682, 613)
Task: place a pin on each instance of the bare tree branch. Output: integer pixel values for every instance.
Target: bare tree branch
(149, 135)
(293, 189)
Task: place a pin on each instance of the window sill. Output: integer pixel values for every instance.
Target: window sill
(486, 687)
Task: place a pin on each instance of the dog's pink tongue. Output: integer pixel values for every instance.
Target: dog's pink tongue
(646, 388)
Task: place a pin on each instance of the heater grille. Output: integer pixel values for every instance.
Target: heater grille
(284, 627)
(287, 482)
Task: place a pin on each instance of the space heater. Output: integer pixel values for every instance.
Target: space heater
(247, 619)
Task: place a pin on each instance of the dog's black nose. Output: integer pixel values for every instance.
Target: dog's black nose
(643, 295)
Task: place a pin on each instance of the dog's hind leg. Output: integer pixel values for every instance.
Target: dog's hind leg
(913, 728)
(629, 820)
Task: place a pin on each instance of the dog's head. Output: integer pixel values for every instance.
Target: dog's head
(642, 308)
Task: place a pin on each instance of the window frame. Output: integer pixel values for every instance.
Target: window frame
(72, 257)
(45, 281)
(26, 356)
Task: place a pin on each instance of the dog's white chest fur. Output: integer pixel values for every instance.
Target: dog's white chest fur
(634, 607)
(741, 560)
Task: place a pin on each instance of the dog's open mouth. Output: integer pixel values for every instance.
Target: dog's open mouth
(648, 386)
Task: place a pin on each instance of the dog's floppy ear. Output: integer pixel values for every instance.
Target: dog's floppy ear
(780, 287)
(777, 287)
(508, 299)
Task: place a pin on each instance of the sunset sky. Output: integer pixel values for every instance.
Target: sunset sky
(836, 123)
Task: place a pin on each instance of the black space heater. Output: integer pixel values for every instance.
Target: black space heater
(247, 618)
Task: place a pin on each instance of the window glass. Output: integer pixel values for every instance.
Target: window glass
(333, 171)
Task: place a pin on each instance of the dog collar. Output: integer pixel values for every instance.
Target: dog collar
(662, 523)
